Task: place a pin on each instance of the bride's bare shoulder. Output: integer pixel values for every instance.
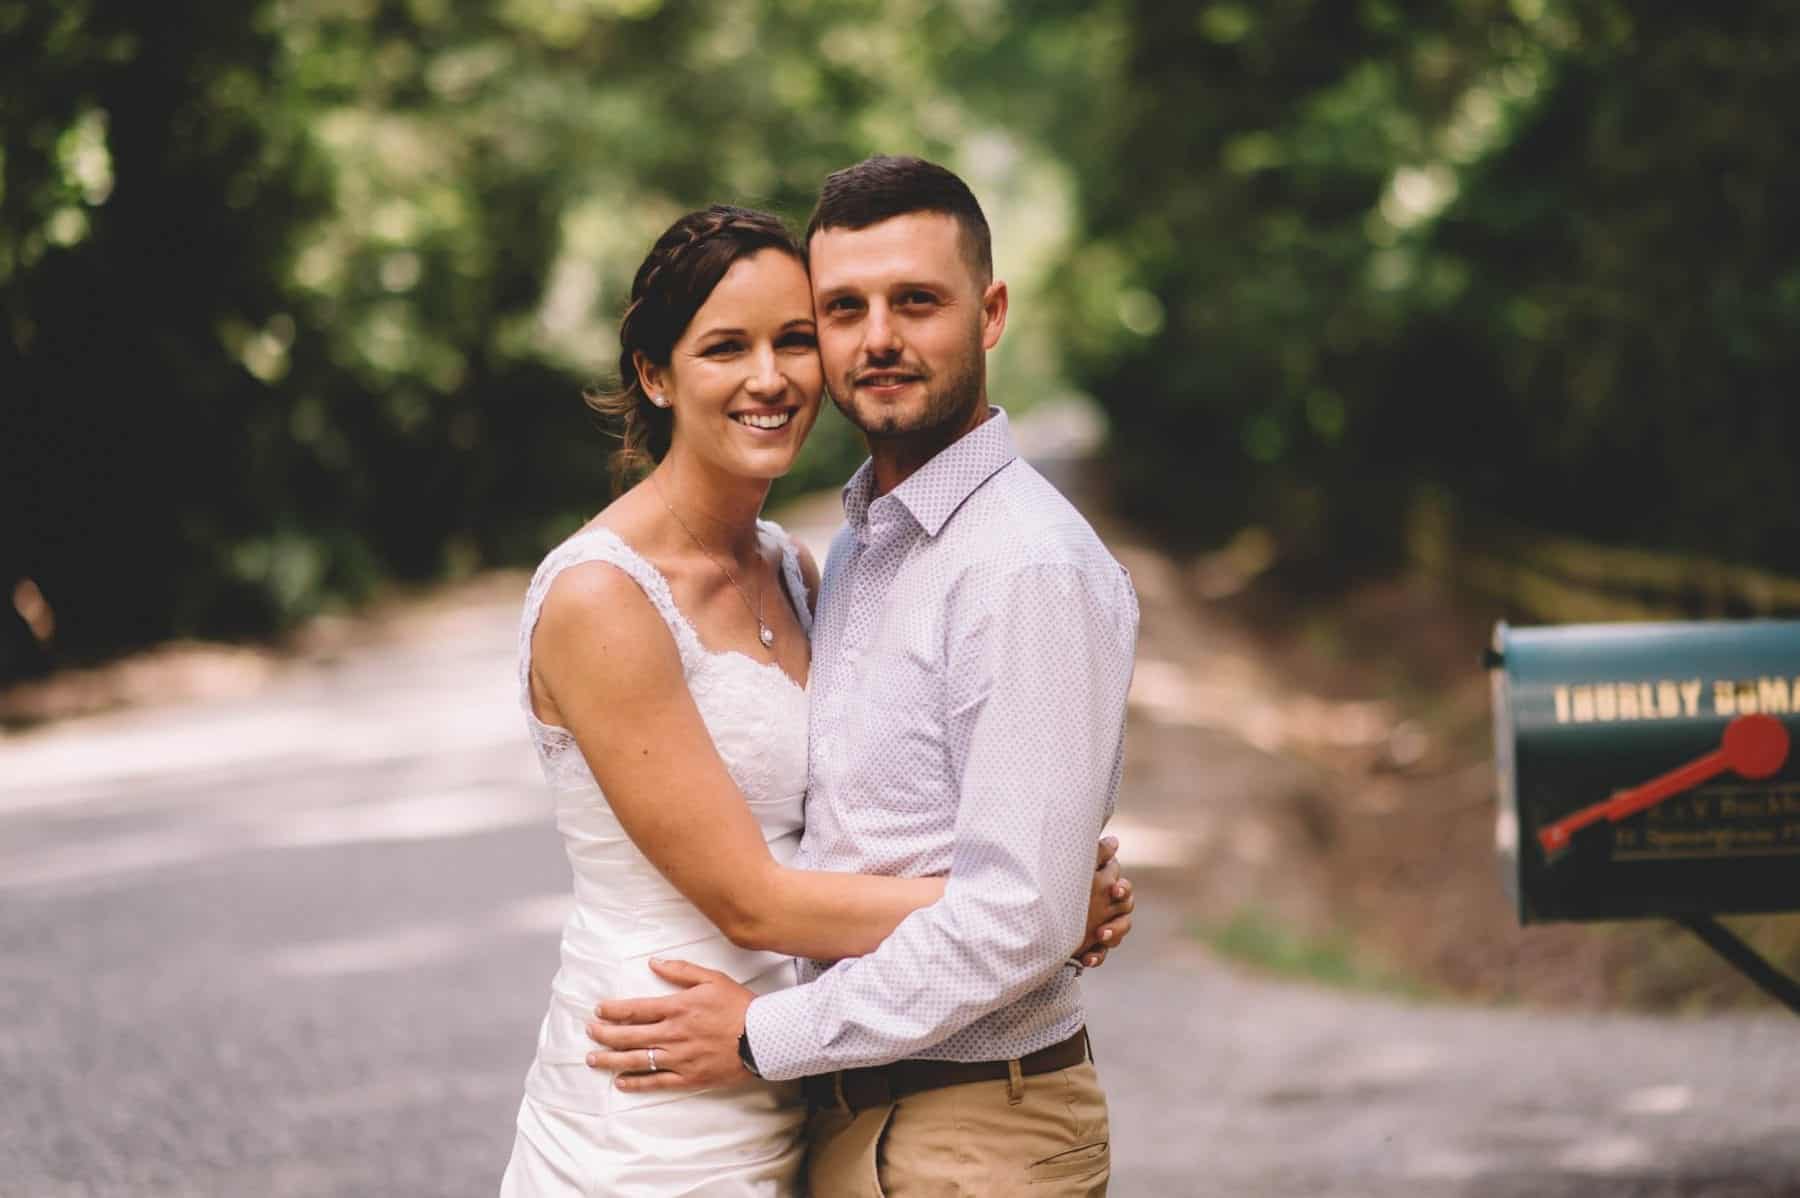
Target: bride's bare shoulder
(600, 625)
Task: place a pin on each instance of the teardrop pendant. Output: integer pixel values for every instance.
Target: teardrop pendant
(765, 634)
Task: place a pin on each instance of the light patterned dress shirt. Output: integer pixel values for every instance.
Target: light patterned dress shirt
(971, 656)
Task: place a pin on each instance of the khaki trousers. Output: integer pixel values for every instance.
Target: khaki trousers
(1043, 1136)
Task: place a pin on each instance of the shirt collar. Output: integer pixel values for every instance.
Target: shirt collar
(859, 492)
(935, 490)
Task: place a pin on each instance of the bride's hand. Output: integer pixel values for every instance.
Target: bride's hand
(1110, 905)
(694, 1033)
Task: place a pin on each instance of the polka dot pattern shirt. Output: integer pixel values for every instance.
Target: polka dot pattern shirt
(971, 656)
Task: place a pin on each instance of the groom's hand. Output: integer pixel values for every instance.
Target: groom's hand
(695, 1033)
(1110, 904)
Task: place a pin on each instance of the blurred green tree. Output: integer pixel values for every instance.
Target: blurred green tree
(301, 297)
(150, 187)
(1527, 256)
(1622, 337)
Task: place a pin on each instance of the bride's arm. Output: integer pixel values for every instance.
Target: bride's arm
(607, 663)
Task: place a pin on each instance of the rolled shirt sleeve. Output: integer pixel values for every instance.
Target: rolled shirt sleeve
(1038, 659)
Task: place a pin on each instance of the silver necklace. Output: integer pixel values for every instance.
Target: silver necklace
(764, 633)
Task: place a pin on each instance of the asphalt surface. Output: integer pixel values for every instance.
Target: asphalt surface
(299, 945)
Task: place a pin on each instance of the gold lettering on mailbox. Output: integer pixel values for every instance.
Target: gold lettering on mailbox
(1606, 702)
(1665, 698)
(1582, 699)
(1672, 699)
(1628, 701)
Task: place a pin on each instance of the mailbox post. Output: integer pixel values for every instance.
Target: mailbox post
(1651, 770)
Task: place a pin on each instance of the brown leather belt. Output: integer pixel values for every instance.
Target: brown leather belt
(878, 1085)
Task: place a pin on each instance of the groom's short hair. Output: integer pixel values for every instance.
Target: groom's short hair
(886, 186)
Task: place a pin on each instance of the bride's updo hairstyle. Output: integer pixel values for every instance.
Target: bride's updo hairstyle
(676, 278)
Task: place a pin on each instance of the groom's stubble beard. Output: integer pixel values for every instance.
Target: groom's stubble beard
(948, 405)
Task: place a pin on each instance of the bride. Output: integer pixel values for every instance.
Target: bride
(663, 657)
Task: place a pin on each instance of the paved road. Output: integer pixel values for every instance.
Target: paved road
(299, 945)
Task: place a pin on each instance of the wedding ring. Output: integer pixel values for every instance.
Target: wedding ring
(653, 1067)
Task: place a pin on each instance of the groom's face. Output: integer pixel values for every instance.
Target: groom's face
(905, 320)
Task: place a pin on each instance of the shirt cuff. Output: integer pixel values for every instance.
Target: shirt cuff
(778, 1025)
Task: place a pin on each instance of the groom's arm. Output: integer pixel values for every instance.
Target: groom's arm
(1036, 733)
(699, 1032)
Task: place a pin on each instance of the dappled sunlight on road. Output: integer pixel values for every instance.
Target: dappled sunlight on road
(457, 714)
(115, 858)
(384, 751)
(394, 948)
(386, 1095)
(419, 944)
(1230, 697)
(1606, 1154)
(1392, 1063)
(1450, 1164)
(1658, 1100)
(108, 750)
(425, 816)
(428, 812)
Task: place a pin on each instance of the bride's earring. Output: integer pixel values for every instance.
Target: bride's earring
(660, 401)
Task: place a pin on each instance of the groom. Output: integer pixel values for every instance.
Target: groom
(971, 657)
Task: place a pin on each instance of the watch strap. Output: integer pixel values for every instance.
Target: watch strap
(745, 1055)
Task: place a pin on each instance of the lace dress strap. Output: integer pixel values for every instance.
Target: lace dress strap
(600, 544)
(792, 577)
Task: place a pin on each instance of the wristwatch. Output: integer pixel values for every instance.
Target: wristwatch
(745, 1055)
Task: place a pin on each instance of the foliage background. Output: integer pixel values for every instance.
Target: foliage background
(1520, 263)
(297, 297)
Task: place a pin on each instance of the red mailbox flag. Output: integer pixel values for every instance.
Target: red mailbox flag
(1754, 746)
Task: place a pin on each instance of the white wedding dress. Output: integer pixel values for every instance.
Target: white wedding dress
(577, 1133)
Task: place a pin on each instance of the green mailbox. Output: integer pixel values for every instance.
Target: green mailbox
(1648, 769)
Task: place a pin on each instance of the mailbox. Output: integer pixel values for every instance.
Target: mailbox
(1648, 769)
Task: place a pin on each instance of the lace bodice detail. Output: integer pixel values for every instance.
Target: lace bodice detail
(752, 708)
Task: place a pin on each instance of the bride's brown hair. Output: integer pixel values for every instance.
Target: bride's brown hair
(676, 278)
